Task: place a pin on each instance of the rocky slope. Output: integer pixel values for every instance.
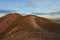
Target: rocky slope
(29, 27)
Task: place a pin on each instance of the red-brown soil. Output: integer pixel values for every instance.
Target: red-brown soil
(17, 27)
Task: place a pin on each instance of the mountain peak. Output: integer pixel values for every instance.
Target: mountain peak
(13, 22)
(14, 14)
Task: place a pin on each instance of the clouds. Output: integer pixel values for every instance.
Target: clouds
(46, 5)
(46, 8)
(31, 5)
(52, 13)
(6, 11)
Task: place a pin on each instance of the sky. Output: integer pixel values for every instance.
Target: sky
(44, 8)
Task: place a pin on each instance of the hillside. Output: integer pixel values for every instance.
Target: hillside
(7, 23)
(29, 27)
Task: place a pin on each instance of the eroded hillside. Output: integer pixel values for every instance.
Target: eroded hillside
(29, 27)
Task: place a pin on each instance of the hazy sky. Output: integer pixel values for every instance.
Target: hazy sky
(31, 6)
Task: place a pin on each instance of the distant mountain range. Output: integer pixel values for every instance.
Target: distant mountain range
(56, 19)
(29, 27)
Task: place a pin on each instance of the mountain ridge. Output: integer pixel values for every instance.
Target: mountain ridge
(15, 22)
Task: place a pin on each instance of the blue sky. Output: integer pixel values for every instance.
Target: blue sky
(30, 6)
